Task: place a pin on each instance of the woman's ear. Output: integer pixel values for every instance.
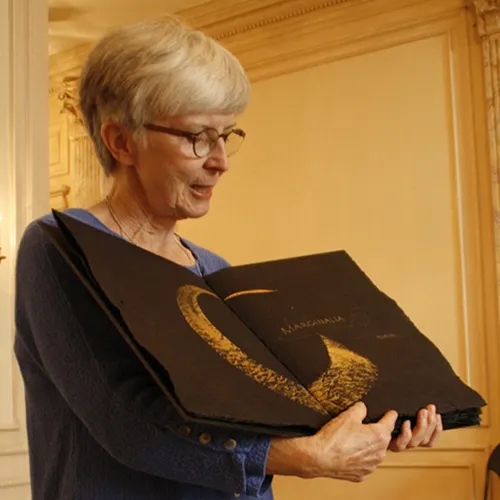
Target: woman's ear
(119, 141)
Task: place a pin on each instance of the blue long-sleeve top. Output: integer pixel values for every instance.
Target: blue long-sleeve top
(99, 428)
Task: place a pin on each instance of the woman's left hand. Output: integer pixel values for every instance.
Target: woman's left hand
(425, 434)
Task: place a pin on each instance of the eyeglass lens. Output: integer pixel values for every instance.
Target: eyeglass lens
(207, 140)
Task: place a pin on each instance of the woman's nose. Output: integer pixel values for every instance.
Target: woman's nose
(219, 156)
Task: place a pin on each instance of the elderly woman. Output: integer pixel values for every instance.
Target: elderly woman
(159, 101)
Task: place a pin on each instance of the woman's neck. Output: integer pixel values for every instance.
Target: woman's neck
(127, 211)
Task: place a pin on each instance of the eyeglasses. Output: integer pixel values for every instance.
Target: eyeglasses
(206, 140)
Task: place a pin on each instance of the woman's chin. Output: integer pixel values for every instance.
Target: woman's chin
(194, 212)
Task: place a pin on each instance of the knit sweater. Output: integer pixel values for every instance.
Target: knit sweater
(99, 428)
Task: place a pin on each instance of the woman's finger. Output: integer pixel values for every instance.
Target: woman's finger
(437, 432)
(420, 430)
(431, 424)
(401, 442)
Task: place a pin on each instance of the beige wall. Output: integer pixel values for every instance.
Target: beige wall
(368, 131)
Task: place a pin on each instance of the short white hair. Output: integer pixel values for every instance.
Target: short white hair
(156, 69)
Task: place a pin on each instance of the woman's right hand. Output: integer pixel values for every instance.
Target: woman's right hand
(344, 448)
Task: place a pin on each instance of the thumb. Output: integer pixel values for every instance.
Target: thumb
(357, 412)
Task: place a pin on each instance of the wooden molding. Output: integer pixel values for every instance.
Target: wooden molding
(488, 27)
(272, 38)
(223, 19)
(62, 191)
(59, 197)
(239, 24)
(488, 17)
(22, 482)
(220, 19)
(11, 452)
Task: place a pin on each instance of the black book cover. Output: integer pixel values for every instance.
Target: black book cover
(277, 347)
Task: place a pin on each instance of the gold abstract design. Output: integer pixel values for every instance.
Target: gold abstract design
(247, 292)
(187, 299)
(347, 379)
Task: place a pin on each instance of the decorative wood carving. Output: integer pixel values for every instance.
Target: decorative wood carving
(255, 18)
(488, 17)
(488, 26)
(86, 173)
(67, 92)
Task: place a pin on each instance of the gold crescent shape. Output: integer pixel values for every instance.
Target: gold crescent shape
(247, 292)
(187, 299)
(347, 379)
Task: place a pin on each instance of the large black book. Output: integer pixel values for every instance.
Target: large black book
(278, 347)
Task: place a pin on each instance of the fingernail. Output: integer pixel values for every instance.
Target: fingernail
(424, 413)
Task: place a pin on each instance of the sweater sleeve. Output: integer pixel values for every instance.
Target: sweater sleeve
(111, 392)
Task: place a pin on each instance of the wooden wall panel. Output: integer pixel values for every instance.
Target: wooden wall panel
(411, 483)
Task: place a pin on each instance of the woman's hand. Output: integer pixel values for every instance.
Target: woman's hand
(426, 433)
(345, 448)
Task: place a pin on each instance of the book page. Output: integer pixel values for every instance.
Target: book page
(343, 338)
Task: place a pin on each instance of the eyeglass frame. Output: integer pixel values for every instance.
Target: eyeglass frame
(193, 136)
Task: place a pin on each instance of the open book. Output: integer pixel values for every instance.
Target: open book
(276, 347)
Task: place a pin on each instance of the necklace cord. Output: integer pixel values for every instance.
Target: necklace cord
(188, 253)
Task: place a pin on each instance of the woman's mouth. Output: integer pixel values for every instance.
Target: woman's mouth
(201, 191)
